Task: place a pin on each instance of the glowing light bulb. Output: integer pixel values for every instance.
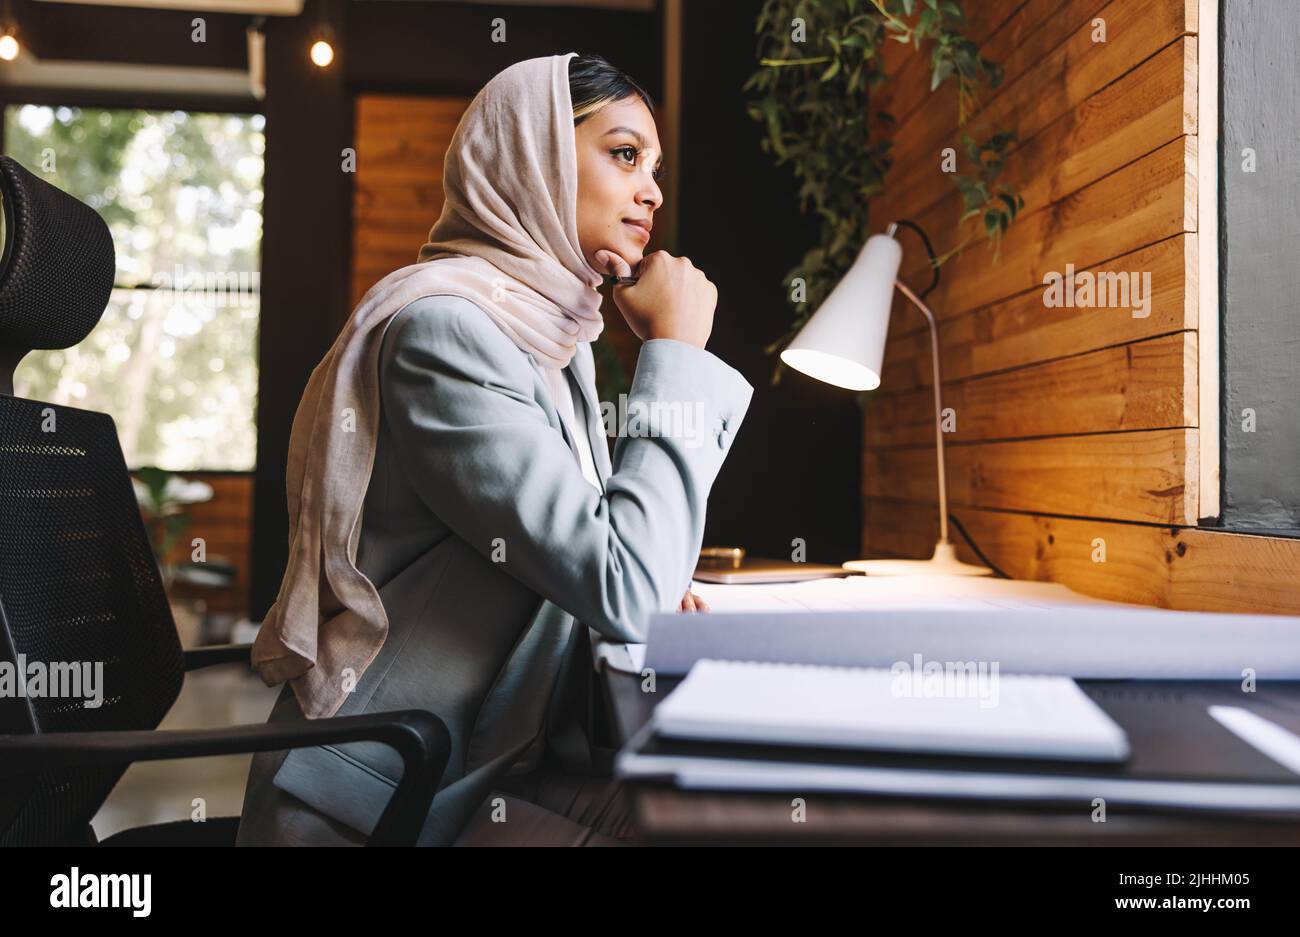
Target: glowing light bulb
(322, 53)
(8, 48)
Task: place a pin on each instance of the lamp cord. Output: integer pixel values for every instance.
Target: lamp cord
(929, 249)
(976, 547)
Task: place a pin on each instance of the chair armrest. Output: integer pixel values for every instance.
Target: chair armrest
(197, 657)
(418, 736)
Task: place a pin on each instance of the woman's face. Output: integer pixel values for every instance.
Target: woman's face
(615, 187)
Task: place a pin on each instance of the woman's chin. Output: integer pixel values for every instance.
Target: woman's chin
(632, 254)
(630, 257)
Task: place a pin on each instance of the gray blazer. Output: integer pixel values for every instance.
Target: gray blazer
(491, 553)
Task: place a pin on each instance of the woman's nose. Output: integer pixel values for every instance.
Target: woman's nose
(650, 194)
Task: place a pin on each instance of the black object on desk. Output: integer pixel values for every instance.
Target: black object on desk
(665, 814)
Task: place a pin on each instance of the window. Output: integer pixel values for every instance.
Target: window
(174, 358)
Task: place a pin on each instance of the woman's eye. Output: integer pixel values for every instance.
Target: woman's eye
(633, 154)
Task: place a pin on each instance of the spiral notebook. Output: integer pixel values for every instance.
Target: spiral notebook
(967, 710)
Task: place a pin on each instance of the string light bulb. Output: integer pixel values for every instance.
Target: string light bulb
(322, 48)
(9, 47)
(322, 53)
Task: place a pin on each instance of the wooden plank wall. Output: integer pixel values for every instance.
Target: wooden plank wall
(1077, 429)
(401, 141)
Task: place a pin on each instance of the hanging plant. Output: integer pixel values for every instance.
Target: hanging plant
(818, 63)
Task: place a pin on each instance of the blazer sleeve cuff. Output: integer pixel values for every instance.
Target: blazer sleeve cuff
(713, 396)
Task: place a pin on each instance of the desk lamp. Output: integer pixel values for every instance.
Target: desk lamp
(844, 344)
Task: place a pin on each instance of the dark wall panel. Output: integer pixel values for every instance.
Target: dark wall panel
(137, 36)
(795, 465)
(1261, 276)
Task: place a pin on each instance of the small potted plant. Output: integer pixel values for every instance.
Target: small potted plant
(164, 498)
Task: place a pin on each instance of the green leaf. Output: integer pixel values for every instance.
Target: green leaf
(966, 66)
(816, 120)
(941, 73)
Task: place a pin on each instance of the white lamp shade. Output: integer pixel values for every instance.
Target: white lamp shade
(844, 341)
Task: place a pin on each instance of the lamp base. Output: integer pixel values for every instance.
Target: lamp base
(944, 562)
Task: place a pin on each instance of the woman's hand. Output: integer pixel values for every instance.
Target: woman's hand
(672, 299)
(693, 603)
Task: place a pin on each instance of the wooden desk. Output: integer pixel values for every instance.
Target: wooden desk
(667, 816)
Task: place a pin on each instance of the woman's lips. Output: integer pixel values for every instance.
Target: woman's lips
(638, 230)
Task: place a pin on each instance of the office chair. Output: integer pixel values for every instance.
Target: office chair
(79, 582)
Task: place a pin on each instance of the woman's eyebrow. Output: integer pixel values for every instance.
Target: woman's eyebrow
(636, 135)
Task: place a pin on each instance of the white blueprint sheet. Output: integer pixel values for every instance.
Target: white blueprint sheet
(861, 593)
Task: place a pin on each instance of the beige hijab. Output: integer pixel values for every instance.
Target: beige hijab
(506, 240)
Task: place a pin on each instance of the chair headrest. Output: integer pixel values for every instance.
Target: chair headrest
(57, 269)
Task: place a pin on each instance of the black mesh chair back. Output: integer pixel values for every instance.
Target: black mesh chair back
(80, 591)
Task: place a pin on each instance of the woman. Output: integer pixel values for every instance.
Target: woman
(451, 443)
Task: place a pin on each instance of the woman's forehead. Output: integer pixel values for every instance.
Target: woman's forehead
(629, 116)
